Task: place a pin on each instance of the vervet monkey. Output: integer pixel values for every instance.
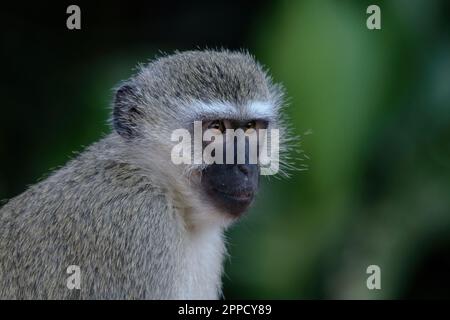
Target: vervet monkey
(137, 225)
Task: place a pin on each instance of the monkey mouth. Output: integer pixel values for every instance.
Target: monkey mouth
(239, 195)
(232, 201)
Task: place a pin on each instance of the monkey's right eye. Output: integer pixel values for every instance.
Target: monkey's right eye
(217, 125)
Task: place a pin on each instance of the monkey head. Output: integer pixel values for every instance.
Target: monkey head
(222, 91)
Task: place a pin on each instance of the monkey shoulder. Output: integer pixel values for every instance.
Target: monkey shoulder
(97, 212)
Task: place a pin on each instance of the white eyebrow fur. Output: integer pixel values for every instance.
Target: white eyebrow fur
(219, 109)
(259, 109)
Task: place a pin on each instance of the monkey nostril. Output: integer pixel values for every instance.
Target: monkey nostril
(243, 168)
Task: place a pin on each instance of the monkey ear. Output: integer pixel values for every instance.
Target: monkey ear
(126, 113)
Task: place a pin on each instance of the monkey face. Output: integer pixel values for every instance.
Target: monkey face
(232, 186)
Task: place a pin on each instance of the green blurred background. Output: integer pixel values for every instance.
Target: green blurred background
(377, 105)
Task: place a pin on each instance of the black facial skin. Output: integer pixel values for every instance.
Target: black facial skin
(232, 187)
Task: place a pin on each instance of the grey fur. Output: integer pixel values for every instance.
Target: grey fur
(121, 210)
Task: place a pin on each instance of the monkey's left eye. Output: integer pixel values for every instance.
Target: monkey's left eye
(250, 125)
(217, 125)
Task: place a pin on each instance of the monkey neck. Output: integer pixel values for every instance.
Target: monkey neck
(203, 250)
(196, 215)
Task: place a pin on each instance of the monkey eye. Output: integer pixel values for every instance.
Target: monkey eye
(217, 125)
(250, 125)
